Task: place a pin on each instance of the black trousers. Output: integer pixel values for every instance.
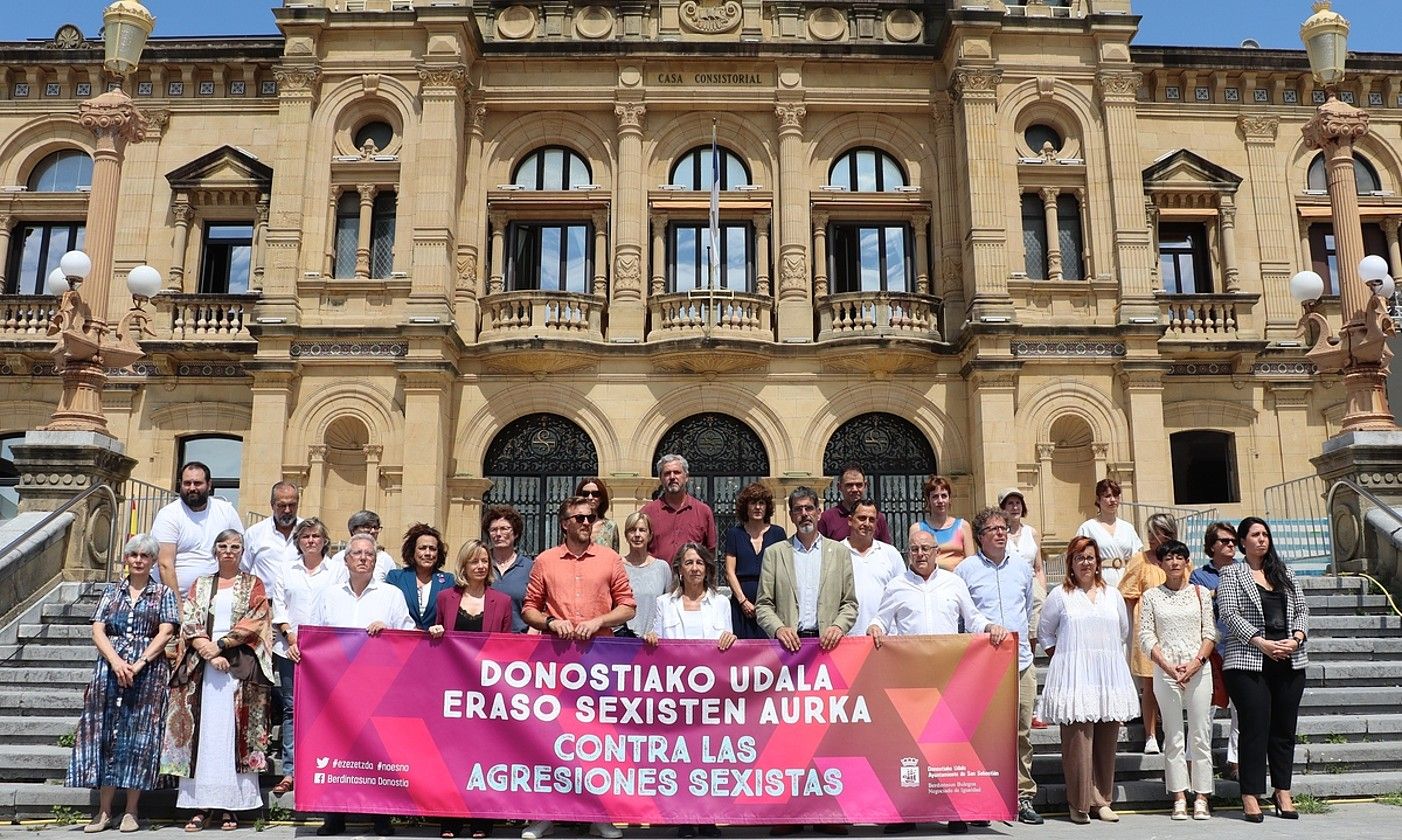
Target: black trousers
(1268, 704)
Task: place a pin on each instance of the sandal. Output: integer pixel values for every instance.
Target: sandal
(229, 822)
(282, 787)
(197, 822)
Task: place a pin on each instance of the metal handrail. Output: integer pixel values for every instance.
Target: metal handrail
(64, 508)
(1329, 506)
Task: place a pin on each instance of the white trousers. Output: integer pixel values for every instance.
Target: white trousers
(1195, 771)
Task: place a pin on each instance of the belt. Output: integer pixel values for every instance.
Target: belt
(808, 634)
(1117, 563)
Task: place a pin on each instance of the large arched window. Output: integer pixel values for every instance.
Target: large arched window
(695, 170)
(1363, 172)
(223, 454)
(866, 170)
(724, 455)
(67, 170)
(895, 458)
(551, 168)
(534, 463)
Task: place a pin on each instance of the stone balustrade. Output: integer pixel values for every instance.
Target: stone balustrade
(202, 318)
(1204, 317)
(741, 315)
(26, 317)
(860, 314)
(542, 314)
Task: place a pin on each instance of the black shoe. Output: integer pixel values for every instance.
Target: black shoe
(897, 828)
(1028, 815)
(980, 823)
(382, 827)
(708, 831)
(958, 827)
(686, 831)
(1281, 812)
(1257, 817)
(333, 824)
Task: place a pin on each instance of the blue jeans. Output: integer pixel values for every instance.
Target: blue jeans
(284, 675)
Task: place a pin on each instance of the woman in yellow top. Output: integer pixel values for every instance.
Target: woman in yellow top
(1141, 575)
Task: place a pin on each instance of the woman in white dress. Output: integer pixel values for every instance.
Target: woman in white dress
(693, 610)
(1117, 538)
(1089, 691)
(216, 738)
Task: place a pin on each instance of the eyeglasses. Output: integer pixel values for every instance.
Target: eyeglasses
(591, 493)
(995, 529)
(501, 529)
(228, 547)
(922, 549)
(1086, 558)
(1227, 540)
(583, 518)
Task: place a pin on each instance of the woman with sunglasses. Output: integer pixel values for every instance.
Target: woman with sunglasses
(605, 530)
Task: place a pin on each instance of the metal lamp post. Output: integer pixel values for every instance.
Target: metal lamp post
(86, 345)
(1360, 350)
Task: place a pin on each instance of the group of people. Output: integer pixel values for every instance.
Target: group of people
(199, 641)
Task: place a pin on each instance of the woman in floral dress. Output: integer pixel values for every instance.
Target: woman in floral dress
(118, 743)
(217, 732)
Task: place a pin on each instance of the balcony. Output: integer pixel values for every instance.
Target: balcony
(1208, 318)
(181, 319)
(535, 314)
(739, 316)
(879, 315)
(26, 317)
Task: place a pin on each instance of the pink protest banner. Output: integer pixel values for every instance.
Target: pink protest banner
(515, 726)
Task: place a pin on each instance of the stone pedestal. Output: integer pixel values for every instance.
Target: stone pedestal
(56, 466)
(1373, 461)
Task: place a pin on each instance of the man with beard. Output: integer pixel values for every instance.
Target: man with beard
(268, 545)
(186, 528)
(677, 517)
(836, 522)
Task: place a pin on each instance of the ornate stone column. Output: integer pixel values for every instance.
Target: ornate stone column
(362, 237)
(795, 308)
(762, 254)
(627, 309)
(1087, 263)
(821, 282)
(921, 223)
(438, 183)
(260, 243)
(297, 86)
(948, 259)
(1132, 258)
(7, 224)
(985, 248)
(1045, 453)
(1271, 207)
(374, 454)
(470, 209)
(1049, 195)
(183, 214)
(1390, 225)
(600, 218)
(1227, 220)
(659, 253)
(498, 221)
(316, 476)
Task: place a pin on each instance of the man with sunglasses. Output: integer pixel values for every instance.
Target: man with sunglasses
(577, 590)
(1219, 544)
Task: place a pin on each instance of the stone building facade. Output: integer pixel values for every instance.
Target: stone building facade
(421, 252)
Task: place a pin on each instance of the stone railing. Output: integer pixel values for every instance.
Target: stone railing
(203, 318)
(1205, 317)
(857, 314)
(742, 315)
(26, 317)
(542, 314)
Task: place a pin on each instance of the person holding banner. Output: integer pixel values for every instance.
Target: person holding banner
(874, 563)
(1089, 691)
(577, 590)
(806, 588)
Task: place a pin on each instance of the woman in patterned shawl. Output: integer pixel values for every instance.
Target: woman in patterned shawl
(118, 743)
(217, 732)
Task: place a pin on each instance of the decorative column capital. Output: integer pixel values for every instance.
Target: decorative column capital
(1390, 225)
(1046, 451)
(790, 115)
(1336, 123)
(921, 222)
(156, 120)
(442, 80)
(1119, 86)
(1259, 129)
(941, 108)
(182, 212)
(600, 218)
(977, 82)
(367, 192)
(476, 117)
(373, 451)
(630, 116)
(1049, 195)
(297, 82)
(113, 113)
(261, 211)
(1227, 212)
(820, 221)
(497, 219)
(316, 453)
(659, 224)
(762, 222)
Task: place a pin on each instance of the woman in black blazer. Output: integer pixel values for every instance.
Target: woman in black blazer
(1263, 664)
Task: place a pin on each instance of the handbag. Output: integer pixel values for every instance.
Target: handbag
(1219, 683)
(243, 661)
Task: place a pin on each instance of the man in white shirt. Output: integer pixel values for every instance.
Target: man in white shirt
(364, 603)
(928, 601)
(365, 522)
(874, 563)
(268, 545)
(185, 529)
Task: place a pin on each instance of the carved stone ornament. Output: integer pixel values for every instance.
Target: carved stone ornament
(114, 113)
(1119, 84)
(630, 115)
(976, 81)
(710, 16)
(476, 117)
(68, 37)
(451, 78)
(793, 274)
(628, 272)
(296, 81)
(1336, 121)
(790, 115)
(1259, 128)
(467, 269)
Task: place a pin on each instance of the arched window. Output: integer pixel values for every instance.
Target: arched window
(724, 455)
(1204, 467)
(866, 170)
(223, 454)
(67, 170)
(534, 463)
(696, 171)
(895, 458)
(9, 476)
(551, 168)
(1363, 172)
(379, 239)
(1038, 135)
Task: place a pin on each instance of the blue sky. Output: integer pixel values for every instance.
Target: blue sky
(1274, 23)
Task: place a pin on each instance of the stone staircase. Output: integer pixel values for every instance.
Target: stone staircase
(1350, 725)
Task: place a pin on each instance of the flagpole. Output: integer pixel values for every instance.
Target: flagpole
(713, 250)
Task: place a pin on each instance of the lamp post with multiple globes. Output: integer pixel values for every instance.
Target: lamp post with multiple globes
(1360, 350)
(86, 345)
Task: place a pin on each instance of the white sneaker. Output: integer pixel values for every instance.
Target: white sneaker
(608, 831)
(537, 830)
(1151, 746)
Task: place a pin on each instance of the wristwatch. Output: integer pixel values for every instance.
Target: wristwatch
(1202, 660)
(549, 619)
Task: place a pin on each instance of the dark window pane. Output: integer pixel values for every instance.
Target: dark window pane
(226, 264)
(1034, 236)
(1039, 135)
(1069, 240)
(382, 221)
(577, 259)
(866, 170)
(347, 234)
(378, 131)
(1183, 259)
(35, 250)
(896, 268)
(550, 258)
(1204, 468)
(693, 170)
(688, 259)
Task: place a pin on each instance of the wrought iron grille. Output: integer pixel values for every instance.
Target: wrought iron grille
(724, 455)
(896, 459)
(533, 464)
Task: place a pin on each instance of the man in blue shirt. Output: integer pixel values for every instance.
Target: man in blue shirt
(1219, 544)
(1002, 590)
